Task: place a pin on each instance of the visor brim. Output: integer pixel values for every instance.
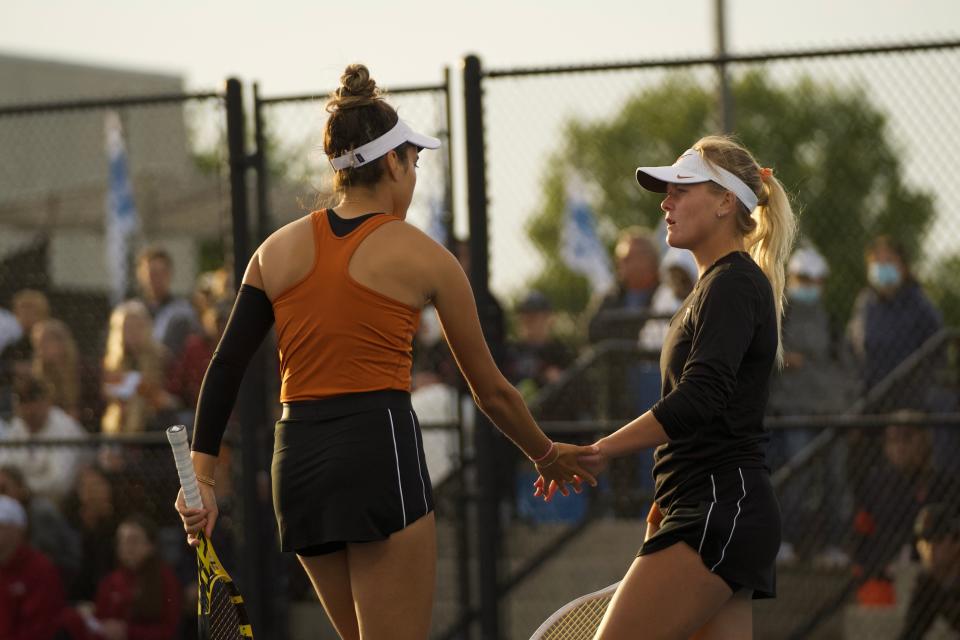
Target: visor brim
(656, 178)
(423, 141)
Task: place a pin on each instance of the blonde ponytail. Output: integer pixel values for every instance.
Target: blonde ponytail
(770, 245)
(769, 230)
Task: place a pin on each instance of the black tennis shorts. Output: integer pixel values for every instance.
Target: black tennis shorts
(348, 469)
(732, 520)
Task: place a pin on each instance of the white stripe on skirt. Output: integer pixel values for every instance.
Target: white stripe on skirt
(416, 441)
(709, 511)
(396, 456)
(743, 484)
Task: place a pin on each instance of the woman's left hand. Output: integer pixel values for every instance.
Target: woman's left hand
(566, 467)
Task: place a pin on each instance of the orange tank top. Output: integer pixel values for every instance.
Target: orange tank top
(335, 335)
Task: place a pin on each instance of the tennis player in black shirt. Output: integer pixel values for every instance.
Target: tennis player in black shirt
(713, 491)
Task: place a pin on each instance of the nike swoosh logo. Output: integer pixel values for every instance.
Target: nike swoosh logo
(680, 177)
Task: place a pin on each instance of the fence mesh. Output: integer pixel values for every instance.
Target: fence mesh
(101, 348)
(860, 142)
(299, 181)
(300, 174)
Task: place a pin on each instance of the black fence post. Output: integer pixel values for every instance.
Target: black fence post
(725, 96)
(260, 164)
(488, 512)
(273, 568)
(251, 399)
(448, 195)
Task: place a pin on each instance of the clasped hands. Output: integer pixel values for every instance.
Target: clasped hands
(573, 464)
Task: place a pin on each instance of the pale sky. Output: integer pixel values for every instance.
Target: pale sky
(296, 46)
(299, 45)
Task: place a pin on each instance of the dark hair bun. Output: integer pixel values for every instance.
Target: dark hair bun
(357, 89)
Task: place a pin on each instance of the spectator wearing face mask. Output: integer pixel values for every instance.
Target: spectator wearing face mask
(811, 382)
(891, 319)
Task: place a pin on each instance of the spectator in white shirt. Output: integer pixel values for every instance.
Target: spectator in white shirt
(50, 471)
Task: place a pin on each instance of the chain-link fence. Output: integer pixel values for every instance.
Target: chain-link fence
(298, 174)
(295, 178)
(115, 281)
(860, 139)
(82, 496)
(863, 420)
(75, 212)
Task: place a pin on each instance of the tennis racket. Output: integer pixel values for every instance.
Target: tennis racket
(221, 614)
(578, 619)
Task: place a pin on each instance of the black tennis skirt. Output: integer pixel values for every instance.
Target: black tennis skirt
(348, 469)
(732, 520)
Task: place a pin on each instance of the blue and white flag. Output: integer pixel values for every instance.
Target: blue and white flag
(121, 220)
(580, 246)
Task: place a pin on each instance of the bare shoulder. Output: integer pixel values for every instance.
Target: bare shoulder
(404, 237)
(401, 254)
(286, 256)
(287, 237)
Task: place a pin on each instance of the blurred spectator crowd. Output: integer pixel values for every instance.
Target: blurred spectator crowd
(86, 551)
(850, 506)
(89, 546)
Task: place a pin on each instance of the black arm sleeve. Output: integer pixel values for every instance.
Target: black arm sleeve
(249, 323)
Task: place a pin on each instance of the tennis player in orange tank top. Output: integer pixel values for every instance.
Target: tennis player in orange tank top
(336, 335)
(346, 308)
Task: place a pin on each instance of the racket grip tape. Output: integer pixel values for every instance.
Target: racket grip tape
(177, 435)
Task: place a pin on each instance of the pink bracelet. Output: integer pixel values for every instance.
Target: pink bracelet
(546, 455)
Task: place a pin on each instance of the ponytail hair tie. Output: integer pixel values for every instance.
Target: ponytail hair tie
(765, 172)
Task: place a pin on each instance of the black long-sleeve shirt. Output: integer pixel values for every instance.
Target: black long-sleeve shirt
(715, 366)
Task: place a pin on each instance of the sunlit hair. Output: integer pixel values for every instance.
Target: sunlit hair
(148, 358)
(770, 229)
(62, 374)
(117, 355)
(358, 114)
(32, 297)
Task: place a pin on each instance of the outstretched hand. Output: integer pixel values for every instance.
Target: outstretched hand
(566, 466)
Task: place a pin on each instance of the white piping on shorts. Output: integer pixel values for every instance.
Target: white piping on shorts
(709, 511)
(416, 442)
(743, 484)
(396, 456)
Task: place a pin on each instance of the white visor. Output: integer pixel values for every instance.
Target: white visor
(692, 168)
(378, 147)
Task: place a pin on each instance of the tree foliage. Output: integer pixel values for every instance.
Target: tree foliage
(829, 145)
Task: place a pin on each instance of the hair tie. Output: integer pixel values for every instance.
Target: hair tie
(765, 172)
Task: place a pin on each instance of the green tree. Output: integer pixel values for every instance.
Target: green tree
(828, 145)
(944, 287)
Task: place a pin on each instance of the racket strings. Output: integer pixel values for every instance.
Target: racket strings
(581, 622)
(224, 618)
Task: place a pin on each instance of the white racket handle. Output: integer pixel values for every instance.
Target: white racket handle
(177, 435)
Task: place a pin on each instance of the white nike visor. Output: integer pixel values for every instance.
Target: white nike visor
(693, 168)
(378, 147)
